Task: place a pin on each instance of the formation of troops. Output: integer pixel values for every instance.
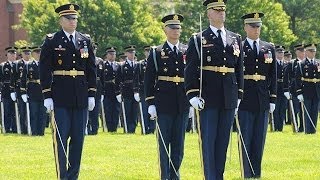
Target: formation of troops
(218, 81)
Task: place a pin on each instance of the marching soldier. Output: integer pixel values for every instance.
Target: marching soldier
(8, 95)
(139, 95)
(108, 75)
(19, 68)
(93, 121)
(165, 96)
(31, 93)
(68, 80)
(260, 84)
(308, 82)
(281, 103)
(290, 84)
(125, 89)
(287, 60)
(222, 86)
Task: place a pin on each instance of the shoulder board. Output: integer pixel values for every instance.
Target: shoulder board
(50, 35)
(159, 48)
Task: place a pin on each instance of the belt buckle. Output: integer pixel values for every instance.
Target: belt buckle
(73, 72)
(176, 79)
(223, 69)
(256, 77)
(314, 80)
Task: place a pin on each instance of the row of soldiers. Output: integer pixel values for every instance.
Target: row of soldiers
(22, 109)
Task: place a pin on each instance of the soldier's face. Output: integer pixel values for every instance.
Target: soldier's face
(280, 55)
(111, 56)
(130, 55)
(311, 54)
(68, 25)
(253, 32)
(26, 55)
(216, 16)
(172, 33)
(300, 54)
(12, 56)
(36, 55)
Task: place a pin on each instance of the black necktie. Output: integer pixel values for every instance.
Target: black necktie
(219, 36)
(71, 39)
(255, 49)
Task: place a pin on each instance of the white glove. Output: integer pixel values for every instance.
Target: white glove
(48, 103)
(0, 97)
(287, 95)
(91, 103)
(102, 98)
(237, 108)
(272, 107)
(119, 98)
(191, 112)
(152, 111)
(24, 98)
(300, 97)
(197, 103)
(136, 97)
(13, 96)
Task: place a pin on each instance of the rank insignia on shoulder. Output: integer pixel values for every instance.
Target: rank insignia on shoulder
(50, 36)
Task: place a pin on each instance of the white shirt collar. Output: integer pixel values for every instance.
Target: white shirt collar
(215, 30)
(68, 34)
(171, 45)
(250, 41)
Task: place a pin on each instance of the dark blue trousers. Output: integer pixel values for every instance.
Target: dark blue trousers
(312, 108)
(131, 109)
(93, 121)
(280, 112)
(71, 124)
(253, 127)
(22, 115)
(38, 117)
(172, 127)
(111, 111)
(149, 124)
(9, 115)
(215, 125)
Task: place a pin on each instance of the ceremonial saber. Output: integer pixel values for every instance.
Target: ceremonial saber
(294, 121)
(103, 118)
(271, 122)
(309, 116)
(17, 117)
(142, 119)
(3, 128)
(28, 119)
(124, 117)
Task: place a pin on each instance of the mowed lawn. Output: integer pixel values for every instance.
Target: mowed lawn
(118, 156)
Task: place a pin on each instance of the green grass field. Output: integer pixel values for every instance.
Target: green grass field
(119, 156)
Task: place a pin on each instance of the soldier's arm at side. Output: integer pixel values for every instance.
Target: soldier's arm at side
(46, 68)
(150, 79)
(239, 70)
(136, 77)
(298, 76)
(191, 72)
(23, 85)
(118, 80)
(273, 78)
(91, 73)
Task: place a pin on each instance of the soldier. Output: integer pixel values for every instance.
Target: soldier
(31, 93)
(93, 121)
(308, 82)
(139, 95)
(222, 86)
(8, 95)
(165, 96)
(19, 67)
(260, 84)
(281, 103)
(122, 57)
(287, 60)
(290, 84)
(108, 75)
(68, 80)
(125, 91)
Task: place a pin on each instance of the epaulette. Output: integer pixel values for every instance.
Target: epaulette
(50, 35)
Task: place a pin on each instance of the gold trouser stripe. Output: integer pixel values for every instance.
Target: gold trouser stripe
(158, 151)
(55, 145)
(200, 143)
(240, 149)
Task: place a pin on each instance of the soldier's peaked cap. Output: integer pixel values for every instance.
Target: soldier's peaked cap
(68, 10)
(219, 5)
(253, 19)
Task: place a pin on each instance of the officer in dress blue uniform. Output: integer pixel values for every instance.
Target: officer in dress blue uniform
(125, 88)
(108, 74)
(287, 60)
(93, 121)
(260, 89)
(281, 103)
(222, 86)
(31, 92)
(139, 94)
(68, 80)
(8, 90)
(165, 96)
(308, 82)
(19, 67)
(290, 84)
